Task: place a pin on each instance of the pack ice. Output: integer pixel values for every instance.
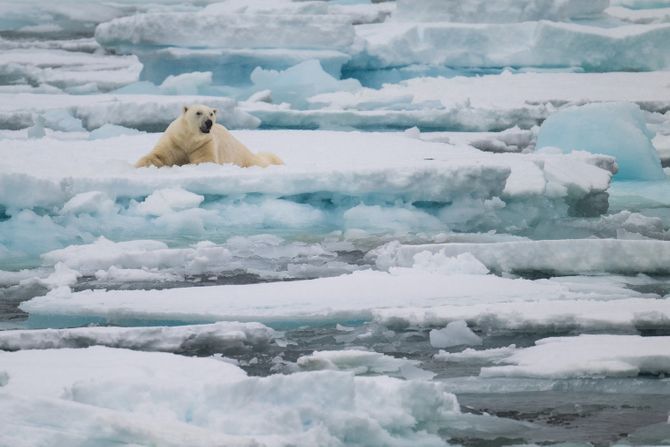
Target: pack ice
(468, 243)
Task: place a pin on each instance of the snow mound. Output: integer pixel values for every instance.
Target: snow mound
(141, 398)
(562, 257)
(616, 129)
(482, 11)
(226, 337)
(588, 356)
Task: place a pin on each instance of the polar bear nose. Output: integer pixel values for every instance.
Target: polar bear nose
(208, 124)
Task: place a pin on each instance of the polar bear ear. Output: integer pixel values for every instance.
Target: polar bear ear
(184, 109)
(215, 111)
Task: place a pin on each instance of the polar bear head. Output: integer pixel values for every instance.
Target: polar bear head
(199, 117)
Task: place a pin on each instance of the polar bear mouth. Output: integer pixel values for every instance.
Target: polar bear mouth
(204, 129)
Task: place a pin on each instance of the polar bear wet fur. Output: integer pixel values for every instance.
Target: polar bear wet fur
(195, 137)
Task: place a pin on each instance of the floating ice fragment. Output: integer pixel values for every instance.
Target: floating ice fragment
(91, 202)
(363, 363)
(616, 129)
(457, 333)
(588, 356)
(165, 201)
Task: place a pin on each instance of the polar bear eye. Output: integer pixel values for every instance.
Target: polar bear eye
(198, 113)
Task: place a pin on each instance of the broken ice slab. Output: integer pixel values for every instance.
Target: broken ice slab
(143, 112)
(365, 295)
(536, 44)
(197, 401)
(224, 337)
(587, 356)
(557, 257)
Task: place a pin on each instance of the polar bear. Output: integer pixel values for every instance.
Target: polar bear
(195, 137)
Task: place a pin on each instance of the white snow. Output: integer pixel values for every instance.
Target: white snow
(131, 397)
(587, 356)
(366, 295)
(563, 257)
(470, 355)
(226, 336)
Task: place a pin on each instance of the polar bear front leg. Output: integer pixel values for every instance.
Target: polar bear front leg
(204, 154)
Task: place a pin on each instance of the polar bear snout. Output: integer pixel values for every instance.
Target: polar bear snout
(206, 126)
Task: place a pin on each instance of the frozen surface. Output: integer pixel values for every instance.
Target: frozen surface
(540, 44)
(144, 112)
(398, 183)
(482, 11)
(226, 336)
(563, 257)
(199, 401)
(588, 356)
(616, 129)
(365, 295)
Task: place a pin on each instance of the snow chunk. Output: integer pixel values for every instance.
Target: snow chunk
(145, 398)
(165, 201)
(222, 336)
(588, 356)
(561, 257)
(457, 333)
(91, 202)
(483, 11)
(111, 131)
(363, 363)
(616, 129)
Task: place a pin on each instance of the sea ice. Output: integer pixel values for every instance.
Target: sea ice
(456, 333)
(363, 363)
(616, 129)
(224, 337)
(537, 44)
(561, 257)
(199, 401)
(587, 356)
(482, 11)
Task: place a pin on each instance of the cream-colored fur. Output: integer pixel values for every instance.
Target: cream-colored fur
(189, 140)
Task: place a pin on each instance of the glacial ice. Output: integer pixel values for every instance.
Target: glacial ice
(616, 129)
(587, 356)
(482, 11)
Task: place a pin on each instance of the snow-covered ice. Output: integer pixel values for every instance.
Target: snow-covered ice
(587, 356)
(226, 336)
(463, 180)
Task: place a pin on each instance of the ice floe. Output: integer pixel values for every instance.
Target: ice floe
(562, 257)
(204, 400)
(223, 337)
(587, 356)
